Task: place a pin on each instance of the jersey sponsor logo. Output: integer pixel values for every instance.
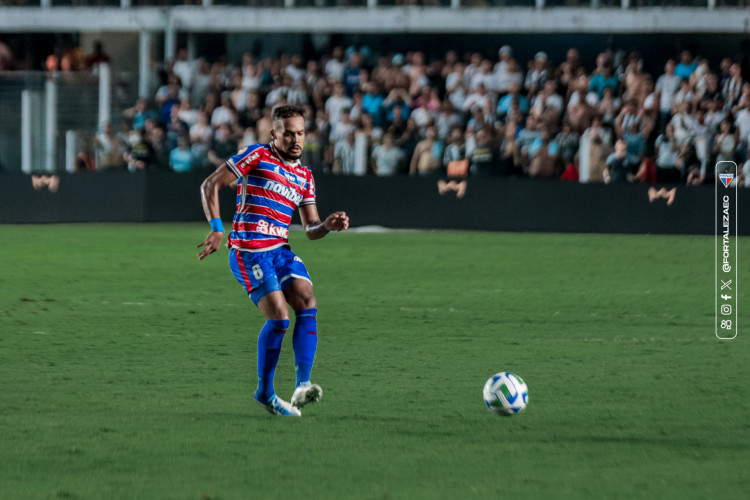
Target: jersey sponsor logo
(287, 192)
(294, 178)
(264, 227)
(248, 160)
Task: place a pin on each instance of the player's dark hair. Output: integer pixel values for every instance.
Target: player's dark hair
(289, 111)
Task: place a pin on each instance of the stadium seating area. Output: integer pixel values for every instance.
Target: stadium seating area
(390, 114)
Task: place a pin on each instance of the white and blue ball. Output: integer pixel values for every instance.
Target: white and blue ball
(505, 393)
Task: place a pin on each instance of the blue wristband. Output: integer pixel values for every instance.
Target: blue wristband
(216, 225)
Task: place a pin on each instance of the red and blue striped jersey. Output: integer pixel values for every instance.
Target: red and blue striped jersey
(269, 189)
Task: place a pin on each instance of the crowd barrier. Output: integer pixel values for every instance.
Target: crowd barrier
(397, 202)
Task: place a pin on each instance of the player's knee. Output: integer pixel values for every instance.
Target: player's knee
(306, 302)
(278, 314)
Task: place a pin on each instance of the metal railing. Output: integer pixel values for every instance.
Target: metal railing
(48, 117)
(623, 4)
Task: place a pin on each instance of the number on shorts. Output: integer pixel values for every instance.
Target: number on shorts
(257, 272)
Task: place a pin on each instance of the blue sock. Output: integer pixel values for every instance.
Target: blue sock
(305, 341)
(269, 348)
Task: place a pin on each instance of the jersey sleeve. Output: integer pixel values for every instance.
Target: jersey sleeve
(245, 160)
(308, 194)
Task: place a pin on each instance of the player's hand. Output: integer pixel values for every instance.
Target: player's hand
(211, 244)
(337, 221)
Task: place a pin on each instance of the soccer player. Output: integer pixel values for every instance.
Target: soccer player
(271, 183)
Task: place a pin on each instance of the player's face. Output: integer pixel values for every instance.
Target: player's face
(289, 137)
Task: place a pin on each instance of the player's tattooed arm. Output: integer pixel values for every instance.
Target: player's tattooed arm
(315, 228)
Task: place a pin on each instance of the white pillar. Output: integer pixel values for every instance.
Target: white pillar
(455, 4)
(539, 4)
(625, 4)
(45, 4)
(191, 41)
(50, 128)
(26, 131)
(144, 60)
(170, 38)
(207, 3)
(70, 151)
(711, 4)
(125, 4)
(288, 4)
(371, 4)
(105, 93)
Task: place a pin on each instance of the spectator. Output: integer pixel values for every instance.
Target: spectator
(667, 151)
(684, 94)
(636, 145)
(335, 66)
(387, 157)
(454, 156)
(609, 108)
(732, 86)
(352, 73)
(687, 65)
(569, 70)
(185, 69)
(109, 149)
(201, 83)
(537, 75)
(683, 123)
(181, 158)
(593, 151)
(447, 119)
(483, 155)
(201, 136)
(568, 141)
(501, 68)
(157, 138)
(344, 155)
(602, 80)
(140, 154)
(97, 57)
(455, 86)
(548, 104)
(483, 76)
(742, 122)
(620, 165)
(223, 145)
(724, 142)
(514, 95)
(543, 152)
(175, 128)
(372, 102)
(427, 158)
(139, 114)
(225, 113)
(417, 72)
(337, 102)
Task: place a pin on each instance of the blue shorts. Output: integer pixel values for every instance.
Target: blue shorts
(261, 273)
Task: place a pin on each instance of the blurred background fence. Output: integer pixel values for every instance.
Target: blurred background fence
(48, 118)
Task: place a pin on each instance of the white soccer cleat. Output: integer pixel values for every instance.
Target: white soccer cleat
(277, 406)
(306, 393)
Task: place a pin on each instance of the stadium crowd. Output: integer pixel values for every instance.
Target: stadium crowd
(457, 115)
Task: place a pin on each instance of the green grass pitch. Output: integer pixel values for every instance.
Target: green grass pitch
(127, 368)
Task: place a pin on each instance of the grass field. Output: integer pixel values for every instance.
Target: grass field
(127, 368)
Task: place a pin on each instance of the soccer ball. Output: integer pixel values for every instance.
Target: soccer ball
(505, 393)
